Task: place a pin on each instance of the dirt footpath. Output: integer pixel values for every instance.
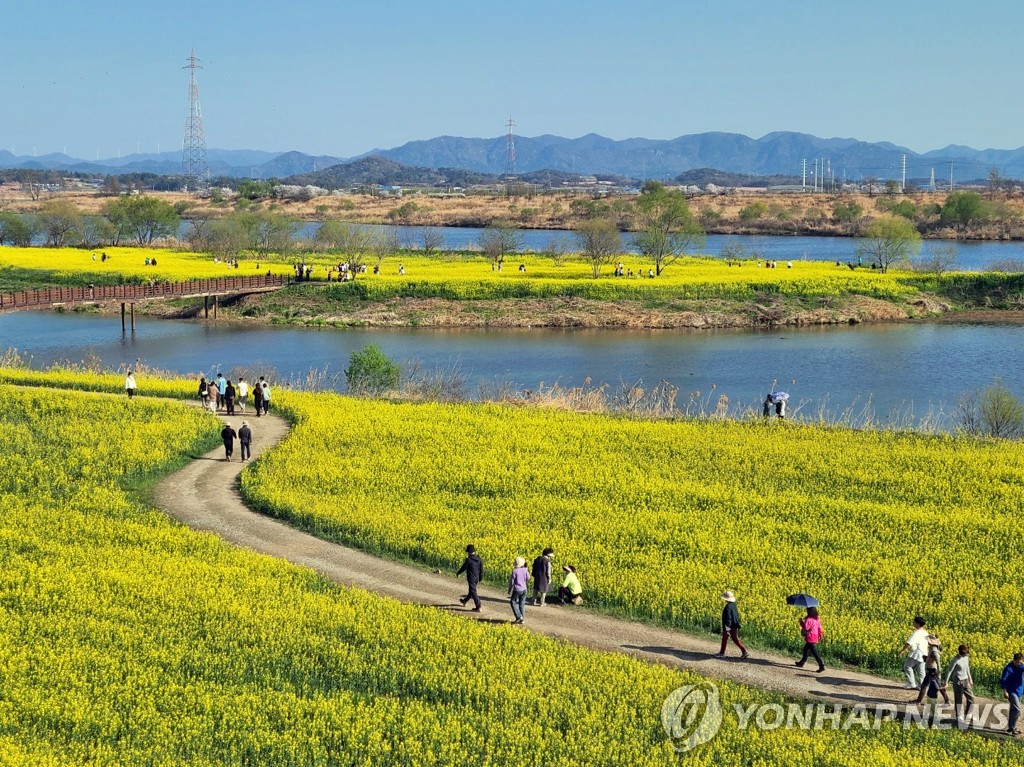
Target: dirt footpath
(204, 495)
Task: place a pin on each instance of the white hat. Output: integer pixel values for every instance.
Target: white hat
(728, 596)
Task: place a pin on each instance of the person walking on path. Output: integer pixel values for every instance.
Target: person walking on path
(731, 625)
(542, 576)
(931, 687)
(228, 435)
(213, 396)
(810, 628)
(243, 394)
(1012, 682)
(517, 585)
(222, 386)
(229, 397)
(129, 384)
(571, 591)
(266, 398)
(959, 674)
(245, 440)
(473, 567)
(915, 648)
(257, 397)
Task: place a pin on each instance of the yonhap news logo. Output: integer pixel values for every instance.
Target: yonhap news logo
(692, 715)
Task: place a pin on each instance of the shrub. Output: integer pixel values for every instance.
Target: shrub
(371, 372)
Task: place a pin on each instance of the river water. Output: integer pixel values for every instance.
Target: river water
(904, 373)
(971, 256)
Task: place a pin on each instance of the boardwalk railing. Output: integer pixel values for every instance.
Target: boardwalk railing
(39, 297)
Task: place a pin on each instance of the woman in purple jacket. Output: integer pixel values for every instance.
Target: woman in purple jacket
(517, 584)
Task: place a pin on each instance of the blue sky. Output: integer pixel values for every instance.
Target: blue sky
(341, 77)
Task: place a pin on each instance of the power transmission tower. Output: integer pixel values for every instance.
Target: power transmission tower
(510, 151)
(193, 151)
(931, 184)
(903, 183)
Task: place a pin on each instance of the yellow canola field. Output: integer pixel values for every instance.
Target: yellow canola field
(660, 517)
(689, 278)
(469, 277)
(128, 640)
(76, 266)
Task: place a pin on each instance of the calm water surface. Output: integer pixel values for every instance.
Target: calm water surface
(896, 371)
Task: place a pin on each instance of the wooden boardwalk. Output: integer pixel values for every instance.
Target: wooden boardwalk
(41, 298)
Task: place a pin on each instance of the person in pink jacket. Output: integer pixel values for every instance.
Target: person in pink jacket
(810, 627)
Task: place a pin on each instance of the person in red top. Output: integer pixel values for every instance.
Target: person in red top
(810, 627)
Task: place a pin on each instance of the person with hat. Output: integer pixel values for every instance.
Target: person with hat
(517, 585)
(541, 572)
(731, 624)
(245, 440)
(228, 435)
(473, 567)
(570, 592)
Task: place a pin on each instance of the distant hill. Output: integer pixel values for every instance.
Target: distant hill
(781, 153)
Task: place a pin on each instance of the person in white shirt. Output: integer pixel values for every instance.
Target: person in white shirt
(915, 648)
(129, 384)
(243, 393)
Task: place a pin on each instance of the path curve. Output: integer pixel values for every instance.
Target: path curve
(205, 496)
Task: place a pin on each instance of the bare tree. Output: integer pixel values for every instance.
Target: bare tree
(937, 260)
(599, 241)
(498, 241)
(431, 238)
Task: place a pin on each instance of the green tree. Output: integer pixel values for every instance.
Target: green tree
(846, 212)
(499, 240)
(992, 412)
(599, 241)
(60, 221)
(17, 229)
(963, 210)
(666, 227)
(890, 240)
(753, 212)
(370, 371)
(150, 218)
(266, 233)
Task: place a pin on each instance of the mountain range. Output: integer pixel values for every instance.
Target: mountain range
(778, 153)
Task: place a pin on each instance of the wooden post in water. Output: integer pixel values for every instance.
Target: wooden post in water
(206, 307)
(133, 316)
(122, 316)
(216, 301)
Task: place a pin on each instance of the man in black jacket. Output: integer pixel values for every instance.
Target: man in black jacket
(731, 624)
(228, 435)
(473, 567)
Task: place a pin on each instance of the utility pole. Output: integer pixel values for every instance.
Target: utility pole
(803, 181)
(193, 151)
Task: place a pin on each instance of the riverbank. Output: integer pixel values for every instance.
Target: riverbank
(306, 308)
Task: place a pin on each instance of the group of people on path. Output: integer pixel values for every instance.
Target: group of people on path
(922, 665)
(220, 393)
(569, 593)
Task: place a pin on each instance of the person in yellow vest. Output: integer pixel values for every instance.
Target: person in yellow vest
(570, 592)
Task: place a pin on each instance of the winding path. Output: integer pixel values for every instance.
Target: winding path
(204, 496)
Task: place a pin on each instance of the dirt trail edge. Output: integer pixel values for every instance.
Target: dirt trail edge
(204, 496)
